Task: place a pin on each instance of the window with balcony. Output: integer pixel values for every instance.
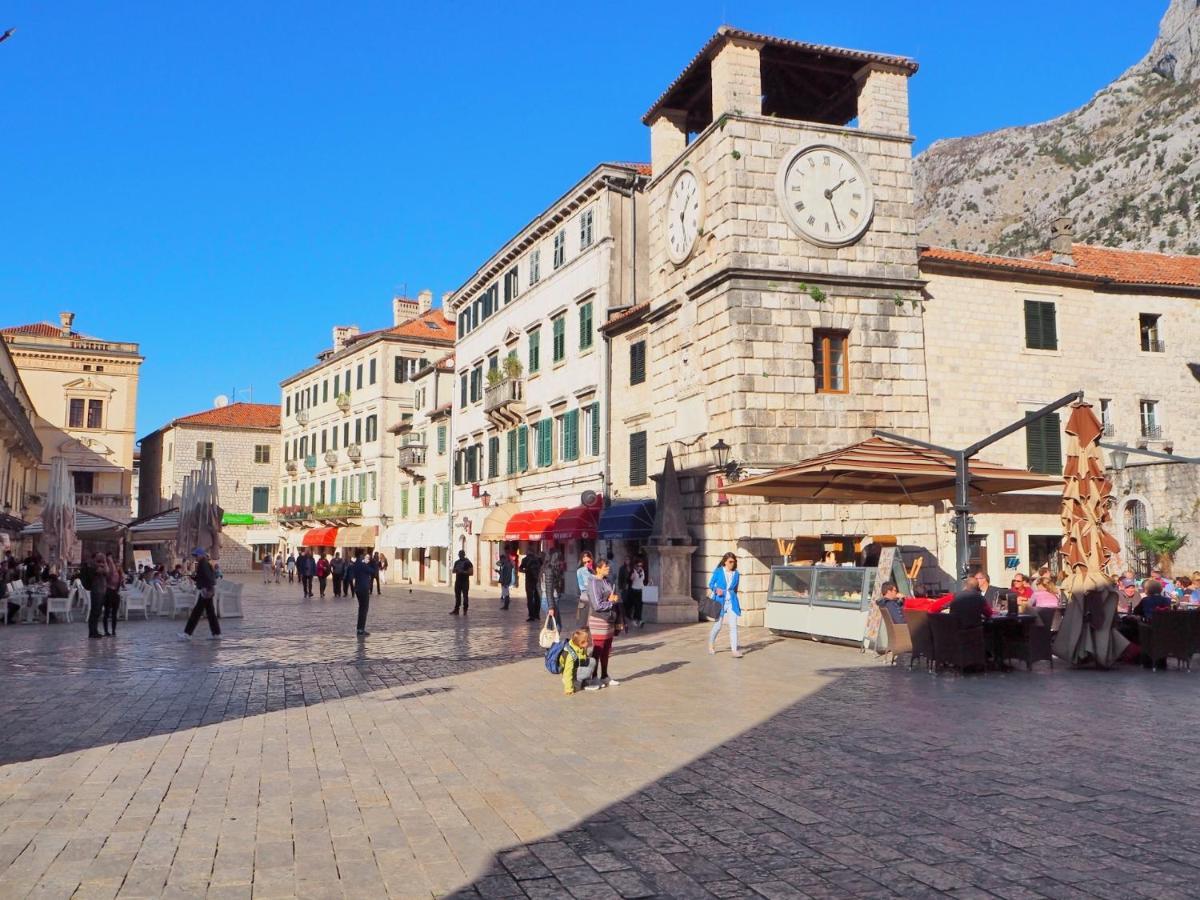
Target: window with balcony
(637, 363)
(204, 449)
(1106, 421)
(262, 453)
(535, 350)
(1043, 445)
(1151, 427)
(535, 266)
(1148, 329)
(560, 249)
(1041, 325)
(261, 500)
(559, 324)
(85, 482)
(637, 458)
(585, 229)
(511, 283)
(829, 361)
(585, 326)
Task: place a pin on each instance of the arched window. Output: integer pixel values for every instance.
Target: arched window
(1135, 518)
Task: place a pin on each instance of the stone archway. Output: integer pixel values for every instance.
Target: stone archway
(1134, 512)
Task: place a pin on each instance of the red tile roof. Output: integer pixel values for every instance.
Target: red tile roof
(642, 168)
(235, 415)
(1101, 264)
(38, 329)
(632, 312)
(431, 326)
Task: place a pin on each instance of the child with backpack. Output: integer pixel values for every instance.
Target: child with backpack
(569, 657)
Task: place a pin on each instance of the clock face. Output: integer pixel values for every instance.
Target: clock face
(684, 212)
(825, 195)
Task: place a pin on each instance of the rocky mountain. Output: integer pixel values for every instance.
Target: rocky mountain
(1125, 167)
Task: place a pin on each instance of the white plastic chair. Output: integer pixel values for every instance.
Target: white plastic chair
(136, 600)
(229, 600)
(82, 596)
(182, 600)
(58, 606)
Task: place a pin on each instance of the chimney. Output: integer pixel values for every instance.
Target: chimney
(1062, 241)
(425, 301)
(342, 335)
(65, 320)
(403, 310)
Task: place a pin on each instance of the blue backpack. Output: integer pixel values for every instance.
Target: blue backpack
(554, 655)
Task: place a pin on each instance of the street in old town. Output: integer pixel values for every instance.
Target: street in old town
(438, 757)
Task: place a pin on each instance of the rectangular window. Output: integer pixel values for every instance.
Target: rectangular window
(204, 450)
(370, 477)
(477, 383)
(585, 326)
(585, 229)
(493, 456)
(595, 429)
(1148, 330)
(404, 503)
(333, 438)
(569, 441)
(441, 440)
(1148, 410)
(494, 363)
(637, 362)
(560, 337)
(560, 249)
(358, 379)
(372, 428)
(1041, 325)
(829, 361)
(261, 501)
(333, 490)
(345, 434)
(401, 374)
(446, 496)
(288, 405)
(535, 266)
(325, 439)
(545, 442)
(510, 467)
(637, 458)
(75, 414)
(1043, 445)
(523, 448)
(535, 350)
(325, 391)
(336, 381)
(303, 447)
(420, 500)
(262, 453)
(458, 467)
(95, 417)
(1106, 417)
(358, 431)
(371, 371)
(85, 482)
(511, 282)
(462, 385)
(321, 496)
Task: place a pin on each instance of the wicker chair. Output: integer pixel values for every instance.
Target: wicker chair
(955, 646)
(898, 639)
(1174, 632)
(920, 637)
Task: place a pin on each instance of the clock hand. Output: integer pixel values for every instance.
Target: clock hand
(829, 191)
(835, 215)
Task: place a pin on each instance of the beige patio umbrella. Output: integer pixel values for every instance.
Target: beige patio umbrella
(1088, 548)
(58, 515)
(184, 536)
(208, 512)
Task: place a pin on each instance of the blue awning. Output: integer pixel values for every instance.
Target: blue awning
(630, 520)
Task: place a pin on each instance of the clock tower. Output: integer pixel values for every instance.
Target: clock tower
(785, 300)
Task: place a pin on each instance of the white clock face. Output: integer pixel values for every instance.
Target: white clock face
(825, 195)
(684, 212)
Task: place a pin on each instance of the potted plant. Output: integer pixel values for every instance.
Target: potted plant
(494, 377)
(1163, 543)
(512, 367)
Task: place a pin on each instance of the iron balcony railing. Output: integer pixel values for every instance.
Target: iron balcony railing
(115, 501)
(1152, 432)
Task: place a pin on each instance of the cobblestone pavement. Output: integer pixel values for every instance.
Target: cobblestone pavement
(438, 758)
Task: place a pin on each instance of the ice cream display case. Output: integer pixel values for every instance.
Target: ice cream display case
(827, 602)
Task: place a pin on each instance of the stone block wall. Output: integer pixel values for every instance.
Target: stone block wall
(883, 100)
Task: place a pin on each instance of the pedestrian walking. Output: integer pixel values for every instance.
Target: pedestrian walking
(306, 569)
(337, 569)
(724, 587)
(375, 577)
(265, 565)
(505, 570)
(278, 566)
(383, 567)
(604, 618)
(361, 575)
(206, 584)
(552, 582)
(637, 581)
(291, 566)
(112, 595)
(322, 573)
(94, 576)
(463, 570)
(583, 576)
(531, 568)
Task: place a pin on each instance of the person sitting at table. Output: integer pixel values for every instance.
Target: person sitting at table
(993, 596)
(891, 602)
(1045, 594)
(1021, 585)
(969, 605)
(1153, 601)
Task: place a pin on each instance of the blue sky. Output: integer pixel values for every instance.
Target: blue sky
(225, 181)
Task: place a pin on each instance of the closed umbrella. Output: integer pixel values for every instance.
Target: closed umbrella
(208, 512)
(58, 516)
(1089, 549)
(184, 541)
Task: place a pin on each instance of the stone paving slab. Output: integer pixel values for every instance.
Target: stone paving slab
(437, 758)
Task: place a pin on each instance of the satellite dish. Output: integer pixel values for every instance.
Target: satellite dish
(220, 400)
(588, 498)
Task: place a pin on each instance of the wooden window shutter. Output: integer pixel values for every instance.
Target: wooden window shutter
(522, 448)
(595, 429)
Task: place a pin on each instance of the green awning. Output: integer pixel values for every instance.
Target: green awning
(243, 519)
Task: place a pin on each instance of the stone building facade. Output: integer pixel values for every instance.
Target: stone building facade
(1005, 336)
(529, 436)
(338, 461)
(781, 340)
(85, 392)
(20, 450)
(243, 440)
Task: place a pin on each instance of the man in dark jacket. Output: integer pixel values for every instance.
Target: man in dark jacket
(531, 568)
(462, 570)
(206, 585)
(93, 575)
(968, 605)
(337, 568)
(996, 599)
(360, 575)
(504, 571)
(306, 568)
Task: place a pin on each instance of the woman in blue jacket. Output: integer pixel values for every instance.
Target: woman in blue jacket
(724, 587)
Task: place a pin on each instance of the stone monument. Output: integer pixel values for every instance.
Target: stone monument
(671, 549)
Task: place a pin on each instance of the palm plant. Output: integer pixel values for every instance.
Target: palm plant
(1163, 542)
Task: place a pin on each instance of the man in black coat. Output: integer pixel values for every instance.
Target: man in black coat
(531, 568)
(360, 575)
(206, 585)
(306, 568)
(996, 599)
(969, 606)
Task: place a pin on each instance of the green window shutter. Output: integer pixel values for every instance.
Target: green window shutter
(441, 439)
(458, 467)
(511, 466)
(421, 500)
(595, 429)
(535, 350)
(637, 458)
(637, 362)
(1041, 325)
(585, 326)
(546, 442)
(571, 435)
(560, 338)
(1052, 438)
(404, 503)
(446, 497)
(522, 448)
(1050, 327)
(493, 457)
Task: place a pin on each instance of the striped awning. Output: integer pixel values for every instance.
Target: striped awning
(532, 524)
(883, 471)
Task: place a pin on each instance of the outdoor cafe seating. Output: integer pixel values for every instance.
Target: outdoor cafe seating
(941, 641)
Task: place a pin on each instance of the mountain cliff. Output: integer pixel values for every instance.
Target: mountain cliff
(1125, 167)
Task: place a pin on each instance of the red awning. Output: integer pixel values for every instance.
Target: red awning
(577, 523)
(320, 537)
(532, 524)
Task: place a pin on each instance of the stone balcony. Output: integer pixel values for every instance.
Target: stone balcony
(103, 501)
(310, 462)
(411, 457)
(504, 402)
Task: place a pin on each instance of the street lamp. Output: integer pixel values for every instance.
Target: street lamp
(486, 498)
(721, 461)
(1118, 456)
(384, 518)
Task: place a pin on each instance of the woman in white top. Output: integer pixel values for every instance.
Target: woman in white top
(637, 581)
